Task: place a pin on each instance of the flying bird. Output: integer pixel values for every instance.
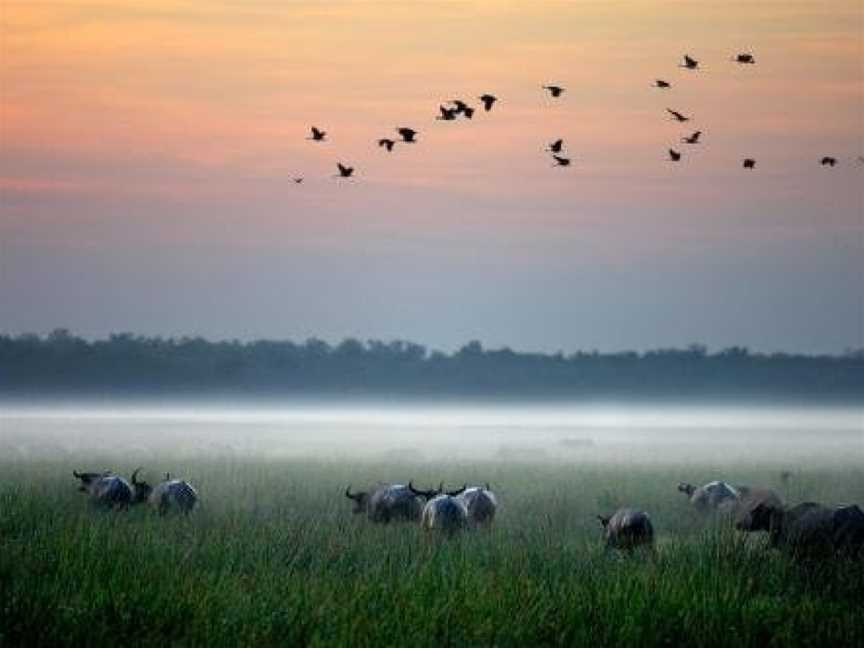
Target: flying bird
(387, 143)
(468, 112)
(674, 156)
(561, 161)
(555, 91)
(828, 161)
(693, 139)
(447, 114)
(689, 62)
(344, 171)
(407, 134)
(459, 105)
(660, 83)
(749, 163)
(677, 116)
(297, 180)
(745, 58)
(488, 100)
(557, 146)
(317, 134)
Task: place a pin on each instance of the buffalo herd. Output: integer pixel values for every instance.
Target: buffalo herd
(805, 530)
(110, 491)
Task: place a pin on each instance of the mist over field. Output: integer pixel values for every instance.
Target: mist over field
(433, 431)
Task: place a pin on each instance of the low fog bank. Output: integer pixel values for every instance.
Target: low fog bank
(620, 432)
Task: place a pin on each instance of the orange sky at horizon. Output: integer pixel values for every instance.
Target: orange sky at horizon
(168, 122)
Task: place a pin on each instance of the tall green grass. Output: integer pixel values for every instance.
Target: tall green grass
(275, 557)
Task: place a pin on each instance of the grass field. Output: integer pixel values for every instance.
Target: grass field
(275, 557)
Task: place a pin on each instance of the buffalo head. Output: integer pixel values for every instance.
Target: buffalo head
(458, 491)
(87, 478)
(361, 500)
(687, 489)
(140, 489)
(428, 494)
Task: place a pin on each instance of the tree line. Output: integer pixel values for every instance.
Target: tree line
(137, 365)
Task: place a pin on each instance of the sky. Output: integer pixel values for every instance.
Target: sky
(147, 149)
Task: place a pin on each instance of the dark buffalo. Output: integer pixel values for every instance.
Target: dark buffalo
(387, 503)
(111, 491)
(809, 529)
(627, 529)
(749, 501)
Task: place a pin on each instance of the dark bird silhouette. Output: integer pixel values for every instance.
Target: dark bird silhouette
(677, 116)
(407, 134)
(488, 100)
(344, 171)
(660, 83)
(296, 181)
(555, 91)
(317, 134)
(674, 156)
(828, 161)
(459, 105)
(745, 59)
(561, 161)
(693, 139)
(447, 114)
(689, 62)
(749, 163)
(557, 146)
(468, 112)
(387, 143)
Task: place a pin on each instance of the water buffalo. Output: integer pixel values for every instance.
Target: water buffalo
(110, 491)
(715, 496)
(809, 529)
(444, 511)
(627, 529)
(749, 501)
(387, 503)
(173, 495)
(480, 503)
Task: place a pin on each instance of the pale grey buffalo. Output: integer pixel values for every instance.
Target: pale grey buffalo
(627, 529)
(444, 511)
(175, 495)
(480, 503)
(713, 497)
(809, 529)
(110, 491)
(387, 503)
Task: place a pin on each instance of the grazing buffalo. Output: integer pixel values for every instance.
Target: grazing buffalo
(480, 503)
(749, 501)
(627, 529)
(715, 496)
(110, 491)
(387, 503)
(810, 529)
(173, 495)
(444, 511)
